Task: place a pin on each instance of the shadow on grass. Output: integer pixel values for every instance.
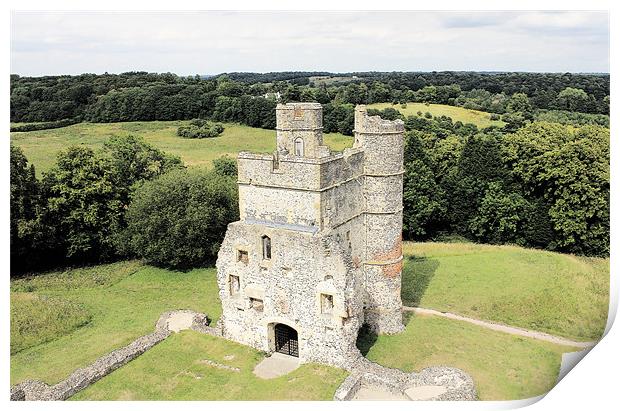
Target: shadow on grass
(417, 275)
(366, 338)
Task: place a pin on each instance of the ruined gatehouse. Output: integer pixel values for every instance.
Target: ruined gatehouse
(317, 250)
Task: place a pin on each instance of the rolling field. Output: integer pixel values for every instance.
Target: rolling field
(555, 293)
(115, 303)
(41, 147)
(120, 310)
(479, 118)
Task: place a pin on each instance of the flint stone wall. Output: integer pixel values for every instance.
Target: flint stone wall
(335, 224)
(364, 373)
(302, 267)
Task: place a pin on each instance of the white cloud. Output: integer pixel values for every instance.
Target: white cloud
(214, 42)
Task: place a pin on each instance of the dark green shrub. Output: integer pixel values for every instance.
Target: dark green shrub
(44, 126)
(179, 219)
(225, 166)
(200, 129)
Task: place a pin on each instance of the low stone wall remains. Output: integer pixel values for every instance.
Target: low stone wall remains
(365, 373)
(34, 390)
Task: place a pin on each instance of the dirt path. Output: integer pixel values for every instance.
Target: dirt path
(504, 328)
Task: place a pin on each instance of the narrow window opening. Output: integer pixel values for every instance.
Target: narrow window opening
(299, 147)
(327, 303)
(266, 248)
(235, 286)
(276, 161)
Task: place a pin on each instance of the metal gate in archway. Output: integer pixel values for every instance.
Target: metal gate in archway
(286, 340)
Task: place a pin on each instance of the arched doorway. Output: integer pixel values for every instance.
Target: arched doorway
(286, 340)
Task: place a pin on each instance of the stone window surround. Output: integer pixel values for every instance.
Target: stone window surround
(266, 248)
(265, 264)
(257, 304)
(338, 312)
(327, 304)
(237, 293)
(243, 255)
(299, 147)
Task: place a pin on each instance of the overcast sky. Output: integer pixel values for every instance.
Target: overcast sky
(46, 43)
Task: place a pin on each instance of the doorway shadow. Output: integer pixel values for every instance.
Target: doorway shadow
(366, 338)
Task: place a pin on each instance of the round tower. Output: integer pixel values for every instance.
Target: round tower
(383, 143)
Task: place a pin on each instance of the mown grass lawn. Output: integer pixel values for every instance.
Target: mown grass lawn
(503, 366)
(556, 293)
(506, 284)
(481, 119)
(120, 311)
(174, 370)
(41, 147)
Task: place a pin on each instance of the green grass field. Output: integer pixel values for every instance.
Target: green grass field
(41, 147)
(503, 366)
(556, 293)
(123, 301)
(173, 370)
(37, 319)
(121, 310)
(479, 118)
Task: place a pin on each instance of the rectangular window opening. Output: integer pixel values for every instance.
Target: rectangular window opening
(242, 256)
(266, 248)
(235, 285)
(327, 304)
(256, 304)
(275, 162)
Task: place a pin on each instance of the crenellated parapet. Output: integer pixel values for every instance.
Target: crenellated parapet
(365, 124)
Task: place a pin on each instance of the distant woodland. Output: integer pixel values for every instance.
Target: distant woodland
(541, 180)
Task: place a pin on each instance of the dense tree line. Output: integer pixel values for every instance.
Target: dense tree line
(51, 98)
(544, 185)
(241, 96)
(544, 89)
(96, 206)
(542, 180)
(297, 77)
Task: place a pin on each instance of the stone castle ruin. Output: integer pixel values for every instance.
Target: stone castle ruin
(315, 255)
(317, 251)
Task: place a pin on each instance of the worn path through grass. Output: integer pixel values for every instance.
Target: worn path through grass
(503, 366)
(555, 293)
